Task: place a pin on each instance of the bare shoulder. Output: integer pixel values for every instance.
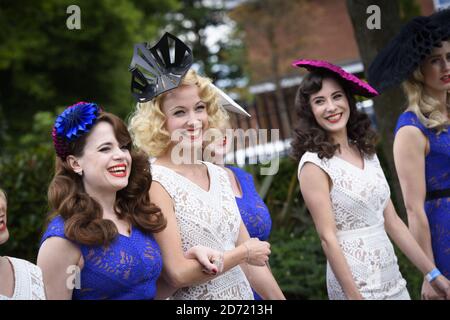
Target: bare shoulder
(57, 248)
(158, 192)
(410, 139)
(410, 132)
(314, 182)
(58, 243)
(312, 173)
(162, 199)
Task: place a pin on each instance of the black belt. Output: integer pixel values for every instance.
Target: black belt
(431, 195)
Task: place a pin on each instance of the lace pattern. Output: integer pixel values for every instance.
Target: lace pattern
(209, 218)
(127, 269)
(254, 212)
(28, 281)
(358, 198)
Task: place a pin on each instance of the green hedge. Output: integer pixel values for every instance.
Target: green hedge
(26, 168)
(298, 264)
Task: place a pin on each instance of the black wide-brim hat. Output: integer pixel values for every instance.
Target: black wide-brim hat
(415, 41)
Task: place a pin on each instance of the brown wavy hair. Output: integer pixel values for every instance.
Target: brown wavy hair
(309, 136)
(83, 222)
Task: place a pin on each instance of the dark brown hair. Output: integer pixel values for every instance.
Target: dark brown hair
(310, 136)
(83, 222)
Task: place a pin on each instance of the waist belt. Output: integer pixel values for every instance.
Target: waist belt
(432, 195)
(361, 232)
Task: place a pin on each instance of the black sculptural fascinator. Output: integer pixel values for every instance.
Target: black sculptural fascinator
(415, 41)
(160, 68)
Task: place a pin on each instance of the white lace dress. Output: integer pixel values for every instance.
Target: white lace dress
(209, 218)
(358, 198)
(28, 281)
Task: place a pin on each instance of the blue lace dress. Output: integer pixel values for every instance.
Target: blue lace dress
(253, 210)
(126, 270)
(437, 175)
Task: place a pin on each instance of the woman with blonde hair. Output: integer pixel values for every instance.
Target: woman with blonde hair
(195, 197)
(419, 57)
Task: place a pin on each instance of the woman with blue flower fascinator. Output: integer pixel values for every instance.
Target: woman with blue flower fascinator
(175, 108)
(419, 59)
(99, 241)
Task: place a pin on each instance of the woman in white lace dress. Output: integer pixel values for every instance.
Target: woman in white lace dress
(197, 199)
(346, 192)
(20, 279)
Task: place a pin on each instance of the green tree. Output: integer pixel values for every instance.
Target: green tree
(390, 104)
(190, 22)
(43, 64)
(25, 177)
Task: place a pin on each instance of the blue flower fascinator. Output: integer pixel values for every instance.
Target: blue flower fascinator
(74, 122)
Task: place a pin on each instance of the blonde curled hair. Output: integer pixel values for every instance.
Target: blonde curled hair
(423, 105)
(147, 122)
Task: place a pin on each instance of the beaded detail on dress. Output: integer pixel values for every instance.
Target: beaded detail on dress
(209, 218)
(28, 284)
(358, 198)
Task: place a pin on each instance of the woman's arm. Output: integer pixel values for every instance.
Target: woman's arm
(180, 271)
(259, 276)
(59, 260)
(315, 187)
(163, 289)
(410, 148)
(401, 236)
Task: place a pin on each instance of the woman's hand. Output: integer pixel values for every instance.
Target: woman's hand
(441, 287)
(210, 259)
(257, 251)
(428, 293)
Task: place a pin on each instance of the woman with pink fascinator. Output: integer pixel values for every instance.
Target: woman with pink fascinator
(346, 192)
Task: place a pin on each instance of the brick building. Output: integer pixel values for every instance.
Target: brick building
(327, 34)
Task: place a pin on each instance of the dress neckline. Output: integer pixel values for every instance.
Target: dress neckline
(210, 180)
(127, 236)
(353, 165)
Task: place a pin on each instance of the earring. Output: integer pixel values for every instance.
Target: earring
(80, 173)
